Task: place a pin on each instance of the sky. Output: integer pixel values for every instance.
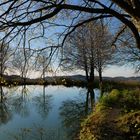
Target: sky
(115, 71)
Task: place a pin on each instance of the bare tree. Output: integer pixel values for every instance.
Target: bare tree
(88, 52)
(20, 16)
(78, 53)
(43, 62)
(103, 49)
(5, 55)
(20, 63)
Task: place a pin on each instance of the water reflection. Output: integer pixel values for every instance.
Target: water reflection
(23, 103)
(24, 107)
(2, 95)
(5, 113)
(90, 99)
(37, 133)
(43, 103)
(73, 111)
(20, 102)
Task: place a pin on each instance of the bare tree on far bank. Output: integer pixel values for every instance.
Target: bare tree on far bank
(88, 49)
(22, 63)
(43, 62)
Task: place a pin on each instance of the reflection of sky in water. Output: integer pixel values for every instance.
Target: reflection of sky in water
(26, 110)
(97, 94)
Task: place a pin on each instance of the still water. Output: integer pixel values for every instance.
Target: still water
(43, 113)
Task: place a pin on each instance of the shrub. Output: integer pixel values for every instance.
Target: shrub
(111, 99)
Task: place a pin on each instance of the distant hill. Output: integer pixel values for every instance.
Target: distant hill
(122, 78)
(72, 77)
(83, 78)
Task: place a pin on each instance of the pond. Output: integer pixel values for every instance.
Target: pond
(43, 113)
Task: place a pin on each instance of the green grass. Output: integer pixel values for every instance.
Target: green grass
(109, 85)
(115, 117)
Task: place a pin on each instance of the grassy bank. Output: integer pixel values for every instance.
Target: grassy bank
(108, 85)
(115, 117)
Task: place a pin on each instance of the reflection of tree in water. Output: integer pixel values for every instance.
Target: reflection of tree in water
(5, 113)
(19, 102)
(73, 111)
(43, 103)
(36, 133)
(1, 94)
(90, 100)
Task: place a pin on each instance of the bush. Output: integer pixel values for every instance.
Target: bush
(111, 100)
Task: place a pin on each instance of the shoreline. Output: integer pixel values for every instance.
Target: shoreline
(77, 80)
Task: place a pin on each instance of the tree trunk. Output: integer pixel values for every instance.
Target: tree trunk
(92, 97)
(100, 76)
(87, 102)
(91, 78)
(87, 76)
(100, 81)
